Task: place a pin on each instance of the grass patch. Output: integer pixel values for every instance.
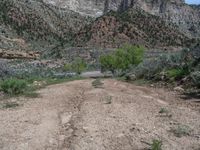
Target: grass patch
(18, 87)
(156, 145)
(176, 73)
(97, 83)
(31, 94)
(10, 105)
(108, 99)
(181, 130)
(13, 86)
(163, 111)
(27, 88)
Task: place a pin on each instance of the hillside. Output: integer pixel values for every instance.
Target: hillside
(133, 26)
(185, 16)
(37, 24)
(52, 26)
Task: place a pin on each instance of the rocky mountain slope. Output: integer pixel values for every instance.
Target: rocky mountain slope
(49, 26)
(176, 11)
(36, 25)
(133, 26)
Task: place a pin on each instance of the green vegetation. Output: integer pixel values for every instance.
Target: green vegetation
(67, 67)
(28, 86)
(10, 105)
(13, 86)
(176, 73)
(108, 99)
(156, 145)
(163, 110)
(97, 83)
(181, 67)
(122, 59)
(181, 130)
(78, 66)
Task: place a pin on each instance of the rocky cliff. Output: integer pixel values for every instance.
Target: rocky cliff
(186, 17)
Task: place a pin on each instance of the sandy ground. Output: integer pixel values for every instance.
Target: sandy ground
(118, 116)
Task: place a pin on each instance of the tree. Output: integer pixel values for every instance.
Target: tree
(122, 59)
(78, 65)
(108, 63)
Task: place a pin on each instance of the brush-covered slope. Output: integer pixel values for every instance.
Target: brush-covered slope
(134, 26)
(185, 16)
(40, 25)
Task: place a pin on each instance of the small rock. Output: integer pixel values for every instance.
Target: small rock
(86, 129)
(132, 77)
(151, 85)
(179, 89)
(65, 118)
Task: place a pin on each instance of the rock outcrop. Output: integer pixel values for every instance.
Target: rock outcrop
(186, 17)
(18, 54)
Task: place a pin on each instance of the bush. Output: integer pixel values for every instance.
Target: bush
(67, 67)
(176, 73)
(78, 65)
(196, 78)
(13, 86)
(122, 59)
(156, 145)
(181, 130)
(97, 83)
(108, 63)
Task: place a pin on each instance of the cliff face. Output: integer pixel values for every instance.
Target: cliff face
(186, 17)
(176, 11)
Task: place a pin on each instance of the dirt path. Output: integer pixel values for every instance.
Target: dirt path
(119, 116)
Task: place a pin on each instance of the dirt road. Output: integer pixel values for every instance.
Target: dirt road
(118, 116)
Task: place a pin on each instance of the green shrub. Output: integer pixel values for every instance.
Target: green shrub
(176, 73)
(181, 130)
(13, 86)
(122, 59)
(10, 105)
(67, 67)
(163, 110)
(156, 145)
(108, 63)
(78, 65)
(97, 83)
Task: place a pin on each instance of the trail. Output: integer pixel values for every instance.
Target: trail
(118, 116)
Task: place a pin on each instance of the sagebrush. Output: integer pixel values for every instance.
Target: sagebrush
(13, 86)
